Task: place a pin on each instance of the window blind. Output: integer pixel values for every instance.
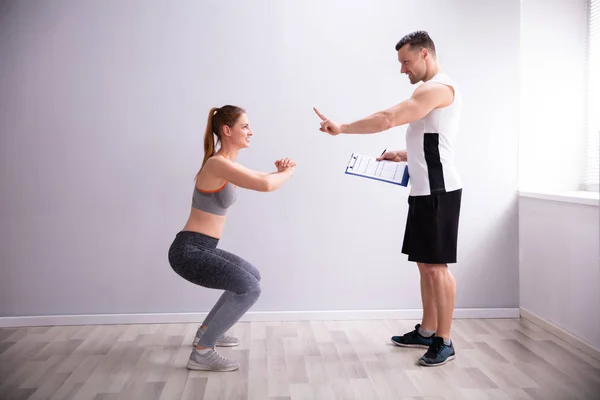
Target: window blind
(592, 159)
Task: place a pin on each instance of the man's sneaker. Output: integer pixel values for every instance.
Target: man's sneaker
(413, 339)
(438, 353)
(210, 360)
(224, 341)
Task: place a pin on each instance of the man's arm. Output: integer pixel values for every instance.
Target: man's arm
(425, 98)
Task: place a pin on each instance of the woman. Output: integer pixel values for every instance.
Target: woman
(194, 254)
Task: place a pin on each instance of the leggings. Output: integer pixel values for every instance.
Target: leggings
(195, 257)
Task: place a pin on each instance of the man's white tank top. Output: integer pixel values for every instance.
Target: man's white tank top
(429, 147)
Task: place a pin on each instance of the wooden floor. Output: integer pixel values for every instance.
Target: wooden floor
(496, 359)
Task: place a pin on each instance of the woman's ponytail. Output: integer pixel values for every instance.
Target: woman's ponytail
(209, 139)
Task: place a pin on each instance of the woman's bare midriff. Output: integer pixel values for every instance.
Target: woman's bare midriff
(206, 223)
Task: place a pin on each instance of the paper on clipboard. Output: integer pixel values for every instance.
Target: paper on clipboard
(384, 170)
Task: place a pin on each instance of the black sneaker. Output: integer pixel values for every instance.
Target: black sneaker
(438, 353)
(413, 339)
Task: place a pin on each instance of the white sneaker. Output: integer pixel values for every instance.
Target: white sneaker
(223, 341)
(210, 360)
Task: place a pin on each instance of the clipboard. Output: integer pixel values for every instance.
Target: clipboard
(387, 171)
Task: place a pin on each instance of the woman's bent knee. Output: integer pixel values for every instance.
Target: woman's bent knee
(252, 270)
(255, 289)
(250, 287)
(256, 292)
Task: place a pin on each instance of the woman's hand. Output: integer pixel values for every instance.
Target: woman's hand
(284, 164)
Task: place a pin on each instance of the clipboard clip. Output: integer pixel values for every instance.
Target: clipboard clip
(352, 161)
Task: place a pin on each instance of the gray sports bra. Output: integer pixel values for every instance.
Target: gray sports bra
(215, 201)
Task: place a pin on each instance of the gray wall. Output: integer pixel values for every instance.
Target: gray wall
(102, 110)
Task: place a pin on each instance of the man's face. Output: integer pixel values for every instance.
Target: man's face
(412, 62)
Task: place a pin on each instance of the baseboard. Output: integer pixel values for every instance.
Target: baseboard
(561, 333)
(254, 316)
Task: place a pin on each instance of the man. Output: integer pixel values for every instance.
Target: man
(430, 239)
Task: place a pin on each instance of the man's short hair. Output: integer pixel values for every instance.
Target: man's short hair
(417, 40)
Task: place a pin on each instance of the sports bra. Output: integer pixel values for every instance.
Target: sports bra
(215, 201)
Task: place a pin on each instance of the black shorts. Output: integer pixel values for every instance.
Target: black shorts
(431, 235)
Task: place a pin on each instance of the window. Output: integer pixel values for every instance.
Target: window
(592, 160)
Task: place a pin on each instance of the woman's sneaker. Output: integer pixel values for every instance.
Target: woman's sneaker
(210, 360)
(413, 339)
(223, 341)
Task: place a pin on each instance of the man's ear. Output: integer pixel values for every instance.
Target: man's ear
(424, 53)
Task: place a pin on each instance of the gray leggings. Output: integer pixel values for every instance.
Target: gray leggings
(195, 257)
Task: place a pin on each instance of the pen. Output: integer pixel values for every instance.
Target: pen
(383, 152)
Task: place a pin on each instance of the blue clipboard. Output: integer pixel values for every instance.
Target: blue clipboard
(357, 166)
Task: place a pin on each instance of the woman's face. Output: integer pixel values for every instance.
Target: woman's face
(240, 133)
